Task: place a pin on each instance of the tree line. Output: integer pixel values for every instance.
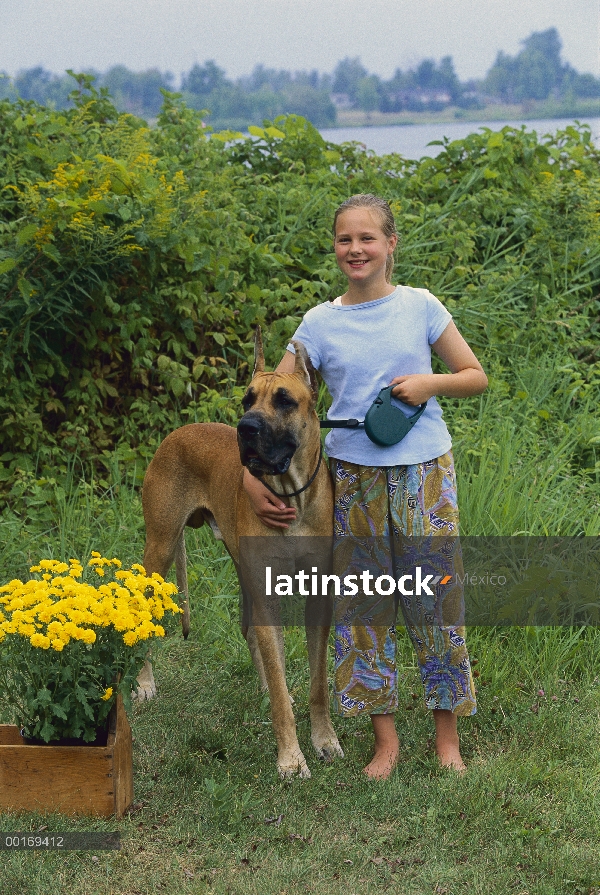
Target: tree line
(536, 73)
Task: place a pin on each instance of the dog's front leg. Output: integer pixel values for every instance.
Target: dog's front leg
(323, 736)
(290, 760)
(318, 614)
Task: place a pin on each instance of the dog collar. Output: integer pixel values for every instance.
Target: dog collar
(300, 490)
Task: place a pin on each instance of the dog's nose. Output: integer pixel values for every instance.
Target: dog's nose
(248, 428)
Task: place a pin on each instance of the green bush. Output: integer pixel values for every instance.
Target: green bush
(135, 263)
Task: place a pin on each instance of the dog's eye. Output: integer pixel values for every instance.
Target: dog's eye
(248, 400)
(283, 401)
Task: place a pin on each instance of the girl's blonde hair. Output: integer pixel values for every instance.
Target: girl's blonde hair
(386, 218)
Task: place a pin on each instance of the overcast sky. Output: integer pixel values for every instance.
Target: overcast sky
(293, 34)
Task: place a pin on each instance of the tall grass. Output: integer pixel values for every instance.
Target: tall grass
(526, 461)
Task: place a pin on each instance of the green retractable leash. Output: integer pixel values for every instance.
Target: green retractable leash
(384, 423)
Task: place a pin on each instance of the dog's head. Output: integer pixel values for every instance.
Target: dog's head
(279, 413)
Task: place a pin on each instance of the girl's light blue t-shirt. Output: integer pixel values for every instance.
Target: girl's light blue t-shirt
(359, 349)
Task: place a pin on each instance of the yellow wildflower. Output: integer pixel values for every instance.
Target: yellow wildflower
(39, 640)
(107, 694)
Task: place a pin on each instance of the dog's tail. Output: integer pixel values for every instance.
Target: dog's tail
(182, 582)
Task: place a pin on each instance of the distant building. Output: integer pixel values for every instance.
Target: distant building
(341, 101)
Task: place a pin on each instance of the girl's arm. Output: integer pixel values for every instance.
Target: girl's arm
(271, 510)
(466, 376)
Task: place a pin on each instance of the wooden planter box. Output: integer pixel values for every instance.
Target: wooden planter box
(70, 779)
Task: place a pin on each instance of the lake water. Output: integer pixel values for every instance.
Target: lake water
(411, 140)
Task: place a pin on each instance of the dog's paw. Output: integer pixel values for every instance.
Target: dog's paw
(330, 751)
(143, 694)
(293, 767)
(327, 747)
(146, 686)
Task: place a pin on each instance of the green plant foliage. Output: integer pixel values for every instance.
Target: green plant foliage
(136, 262)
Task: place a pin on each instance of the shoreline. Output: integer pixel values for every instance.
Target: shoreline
(452, 114)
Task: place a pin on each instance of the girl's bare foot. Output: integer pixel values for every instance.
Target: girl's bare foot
(387, 748)
(447, 745)
(381, 765)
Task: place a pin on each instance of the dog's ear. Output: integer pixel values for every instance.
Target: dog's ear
(304, 365)
(259, 357)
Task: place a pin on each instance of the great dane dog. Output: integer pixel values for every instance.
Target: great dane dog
(195, 477)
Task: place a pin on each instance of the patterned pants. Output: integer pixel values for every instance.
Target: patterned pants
(389, 520)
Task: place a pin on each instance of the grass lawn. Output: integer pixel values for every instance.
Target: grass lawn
(211, 815)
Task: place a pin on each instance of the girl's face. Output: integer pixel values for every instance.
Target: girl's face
(361, 246)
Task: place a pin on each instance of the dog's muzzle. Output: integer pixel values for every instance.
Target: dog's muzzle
(261, 450)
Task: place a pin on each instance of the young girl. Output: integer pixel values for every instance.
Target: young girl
(375, 335)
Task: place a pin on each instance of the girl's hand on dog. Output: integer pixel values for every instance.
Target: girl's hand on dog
(271, 510)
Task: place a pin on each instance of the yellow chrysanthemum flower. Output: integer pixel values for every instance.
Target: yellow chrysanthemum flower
(39, 640)
(52, 611)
